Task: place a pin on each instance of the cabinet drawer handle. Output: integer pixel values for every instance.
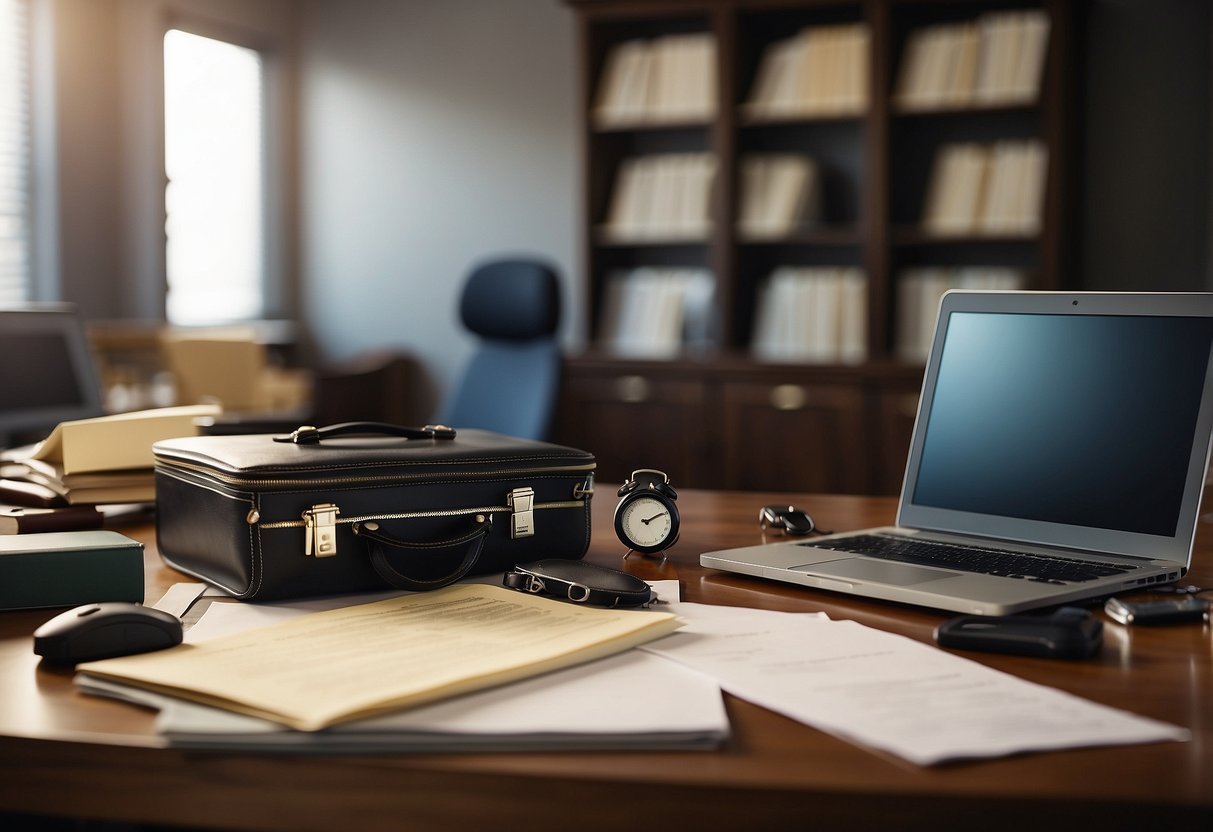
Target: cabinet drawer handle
(633, 389)
(789, 397)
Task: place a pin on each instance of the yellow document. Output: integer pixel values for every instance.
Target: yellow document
(334, 666)
(117, 442)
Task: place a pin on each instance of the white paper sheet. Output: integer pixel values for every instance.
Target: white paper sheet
(887, 691)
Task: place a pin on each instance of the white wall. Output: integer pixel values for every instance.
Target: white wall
(433, 134)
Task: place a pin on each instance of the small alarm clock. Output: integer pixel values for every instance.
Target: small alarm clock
(646, 518)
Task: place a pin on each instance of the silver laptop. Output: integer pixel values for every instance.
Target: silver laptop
(1059, 454)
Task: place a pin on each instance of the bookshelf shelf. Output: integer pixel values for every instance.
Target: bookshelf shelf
(959, 112)
(915, 236)
(855, 195)
(768, 122)
(651, 126)
(841, 236)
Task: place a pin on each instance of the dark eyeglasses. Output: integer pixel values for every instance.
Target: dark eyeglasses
(789, 519)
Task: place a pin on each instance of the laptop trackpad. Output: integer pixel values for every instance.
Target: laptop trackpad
(893, 574)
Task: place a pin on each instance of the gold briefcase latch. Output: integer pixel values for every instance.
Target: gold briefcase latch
(320, 530)
(522, 518)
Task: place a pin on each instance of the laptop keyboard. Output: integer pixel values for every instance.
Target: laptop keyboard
(990, 561)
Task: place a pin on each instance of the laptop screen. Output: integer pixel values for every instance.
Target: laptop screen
(47, 374)
(1080, 421)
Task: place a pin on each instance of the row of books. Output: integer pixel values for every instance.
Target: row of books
(653, 312)
(662, 196)
(918, 294)
(780, 192)
(812, 314)
(987, 189)
(822, 70)
(668, 79)
(996, 59)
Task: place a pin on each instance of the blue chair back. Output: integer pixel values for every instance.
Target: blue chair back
(512, 381)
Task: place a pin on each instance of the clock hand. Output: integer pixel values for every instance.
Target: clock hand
(647, 520)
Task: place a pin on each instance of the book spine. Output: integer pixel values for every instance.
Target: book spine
(19, 520)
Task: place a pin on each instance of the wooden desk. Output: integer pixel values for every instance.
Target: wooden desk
(65, 754)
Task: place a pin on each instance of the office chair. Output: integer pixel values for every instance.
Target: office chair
(511, 382)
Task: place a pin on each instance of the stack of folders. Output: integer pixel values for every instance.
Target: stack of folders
(652, 312)
(812, 314)
(97, 461)
(986, 189)
(997, 59)
(472, 667)
(918, 294)
(664, 196)
(822, 71)
(669, 79)
(780, 193)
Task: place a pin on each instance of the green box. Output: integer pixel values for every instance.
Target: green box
(66, 569)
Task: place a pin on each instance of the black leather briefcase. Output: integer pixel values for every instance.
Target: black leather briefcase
(362, 506)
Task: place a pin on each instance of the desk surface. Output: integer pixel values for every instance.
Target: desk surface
(62, 753)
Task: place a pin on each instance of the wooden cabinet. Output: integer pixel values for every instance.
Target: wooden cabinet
(791, 433)
(803, 321)
(738, 425)
(892, 406)
(640, 415)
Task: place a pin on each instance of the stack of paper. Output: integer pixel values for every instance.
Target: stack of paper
(588, 707)
(402, 673)
(107, 459)
(880, 690)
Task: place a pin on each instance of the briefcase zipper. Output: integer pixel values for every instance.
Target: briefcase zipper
(320, 521)
(250, 482)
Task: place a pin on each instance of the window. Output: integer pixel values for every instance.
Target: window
(15, 266)
(214, 164)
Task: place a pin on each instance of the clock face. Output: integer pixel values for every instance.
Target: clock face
(646, 522)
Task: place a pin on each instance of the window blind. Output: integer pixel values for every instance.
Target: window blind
(15, 264)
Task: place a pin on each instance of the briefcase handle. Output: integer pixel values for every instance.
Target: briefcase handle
(310, 435)
(382, 548)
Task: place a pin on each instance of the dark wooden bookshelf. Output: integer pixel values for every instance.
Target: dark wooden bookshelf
(715, 416)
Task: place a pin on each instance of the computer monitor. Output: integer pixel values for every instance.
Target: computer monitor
(47, 371)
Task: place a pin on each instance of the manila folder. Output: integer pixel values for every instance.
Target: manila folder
(117, 442)
(338, 665)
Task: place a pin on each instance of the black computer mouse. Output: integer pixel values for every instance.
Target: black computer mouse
(102, 631)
